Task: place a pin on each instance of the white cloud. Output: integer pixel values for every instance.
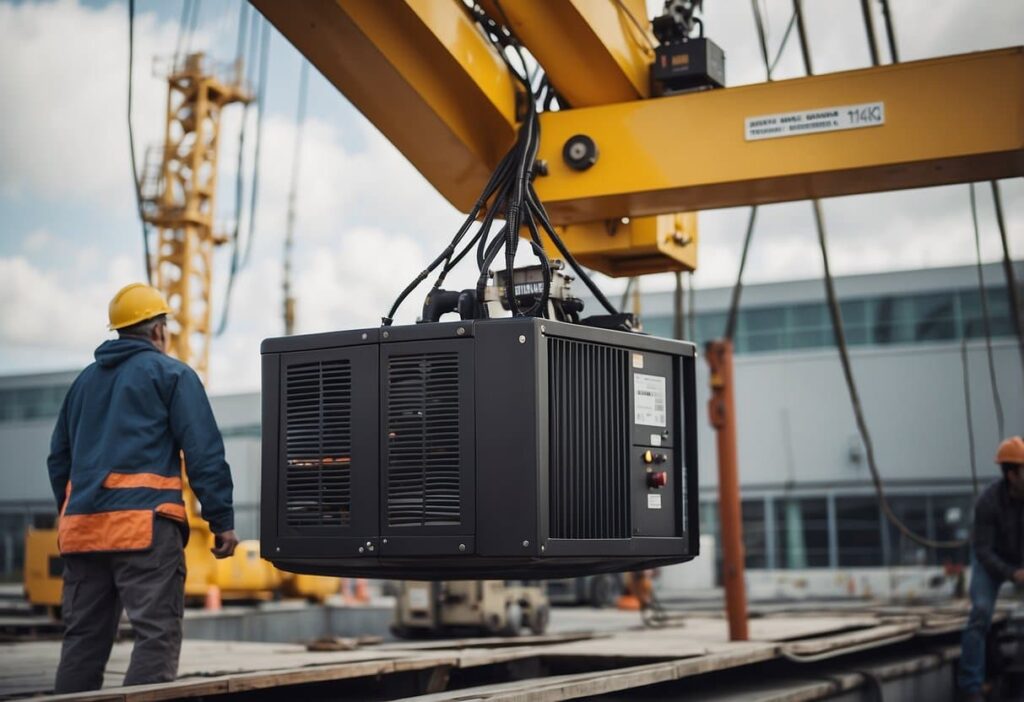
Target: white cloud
(42, 309)
(37, 240)
(64, 85)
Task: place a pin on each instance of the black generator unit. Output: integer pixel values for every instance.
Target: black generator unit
(507, 448)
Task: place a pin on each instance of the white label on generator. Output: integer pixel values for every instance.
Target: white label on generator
(655, 439)
(653, 500)
(419, 598)
(649, 400)
(638, 360)
(824, 119)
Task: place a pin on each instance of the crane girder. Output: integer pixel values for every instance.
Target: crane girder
(424, 74)
(946, 120)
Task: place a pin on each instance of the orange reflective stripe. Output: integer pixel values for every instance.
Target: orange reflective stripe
(172, 510)
(124, 530)
(142, 480)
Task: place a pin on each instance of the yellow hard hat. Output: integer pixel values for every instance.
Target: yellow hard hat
(1011, 451)
(136, 303)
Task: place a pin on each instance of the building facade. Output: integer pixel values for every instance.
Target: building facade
(807, 495)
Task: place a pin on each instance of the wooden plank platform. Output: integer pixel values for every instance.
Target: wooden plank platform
(557, 666)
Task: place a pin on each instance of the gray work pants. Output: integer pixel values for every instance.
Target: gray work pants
(149, 585)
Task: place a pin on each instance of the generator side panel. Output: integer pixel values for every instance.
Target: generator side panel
(427, 447)
(511, 414)
(321, 453)
(689, 489)
(622, 455)
(270, 395)
(656, 474)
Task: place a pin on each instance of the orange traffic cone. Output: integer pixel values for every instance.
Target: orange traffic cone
(213, 599)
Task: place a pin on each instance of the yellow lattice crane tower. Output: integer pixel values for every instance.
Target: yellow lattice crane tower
(178, 189)
(179, 196)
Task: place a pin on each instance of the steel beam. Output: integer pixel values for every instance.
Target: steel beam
(421, 72)
(947, 120)
(592, 52)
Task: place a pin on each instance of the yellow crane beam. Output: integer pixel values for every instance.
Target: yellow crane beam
(610, 56)
(946, 120)
(424, 75)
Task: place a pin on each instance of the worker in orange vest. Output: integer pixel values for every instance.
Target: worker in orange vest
(998, 545)
(115, 468)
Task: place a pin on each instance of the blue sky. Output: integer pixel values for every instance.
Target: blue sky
(69, 237)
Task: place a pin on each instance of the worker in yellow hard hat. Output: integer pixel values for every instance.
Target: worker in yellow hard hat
(115, 469)
(998, 545)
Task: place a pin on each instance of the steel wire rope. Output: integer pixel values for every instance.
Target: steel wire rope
(732, 317)
(968, 412)
(131, 144)
(261, 109)
(193, 22)
(245, 34)
(639, 27)
(240, 258)
(986, 318)
(186, 11)
(890, 31)
(839, 332)
(1012, 287)
(289, 232)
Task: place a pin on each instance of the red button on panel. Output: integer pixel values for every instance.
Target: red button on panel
(657, 479)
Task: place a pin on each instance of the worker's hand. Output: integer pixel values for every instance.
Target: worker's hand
(225, 543)
(1018, 576)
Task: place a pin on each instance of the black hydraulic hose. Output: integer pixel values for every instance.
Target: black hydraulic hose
(538, 210)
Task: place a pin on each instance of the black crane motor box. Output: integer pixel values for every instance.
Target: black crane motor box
(506, 448)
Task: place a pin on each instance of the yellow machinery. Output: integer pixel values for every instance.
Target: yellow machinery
(43, 569)
(425, 75)
(468, 606)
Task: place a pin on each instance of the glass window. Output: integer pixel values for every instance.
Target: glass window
(972, 319)
(19, 404)
(935, 317)
(814, 316)
(754, 533)
(893, 320)
(952, 516)
(658, 326)
(858, 530)
(710, 326)
(912, 510)
(801, 532)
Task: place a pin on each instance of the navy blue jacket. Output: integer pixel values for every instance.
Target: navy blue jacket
(999, 531)
(115, 455)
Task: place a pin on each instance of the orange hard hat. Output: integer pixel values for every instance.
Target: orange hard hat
(1011, 451)
(136, 303)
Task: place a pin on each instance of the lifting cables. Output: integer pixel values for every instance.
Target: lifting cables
(844, 357)
(509, 193)
(769, 67)
(986, 318)
(1012, 288)
(131, 144)
(258, 56)
(289, 233)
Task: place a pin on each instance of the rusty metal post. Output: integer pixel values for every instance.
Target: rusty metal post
(722, 412)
